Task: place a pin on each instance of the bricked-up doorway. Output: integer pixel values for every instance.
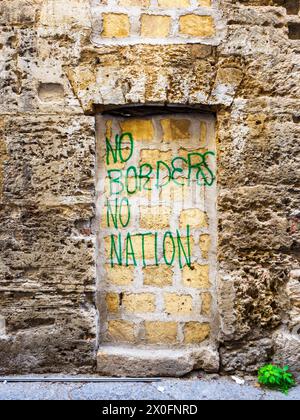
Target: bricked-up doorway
(156, 243)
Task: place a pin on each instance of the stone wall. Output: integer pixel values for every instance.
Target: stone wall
(56, 73)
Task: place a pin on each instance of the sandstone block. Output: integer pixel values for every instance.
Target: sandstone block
(178, 304)
(155, 26)
(176, 129)
(195, 218)
(197, 26)
(195, 332)
(161, 332)
(107, 245)
(206, 303)
(171, 249)
(205, 243)
(160, 276)
(115, 25)
(203, 133)
(173, 3)
(137, 362)
(119, 276)
(139, 303)
(112, 302)
(196, 276)
(62, 13)
(152, 156)
(204, 3)
(155, 217)
(149, 247)
(141, 130)
(121, 331)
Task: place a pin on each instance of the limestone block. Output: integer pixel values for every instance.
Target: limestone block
(195, 218)
(155, 26)
(287, 351)
(175, 130)
(139, 303)
(119, 276)
(140, 129)
(173, 3)
(120, 331)
(112, 302)
(196, 276)
(115, 25)
(178, 304)
(197, 26)
(206, 301)
(195, 332)
(161, 332)
(205, 244)
(134, 362)
(155, 217)
(160, 276)
(152, 156)
(204, 3)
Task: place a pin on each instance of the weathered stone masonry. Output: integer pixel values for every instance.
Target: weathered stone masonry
(63, 62)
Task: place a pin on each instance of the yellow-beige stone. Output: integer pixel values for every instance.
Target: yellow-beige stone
(194, 159)
(178, 304)
(149, 247)
(195, 218)
(176, 129)
(196, 332)
(206, 303)
(107, 220)
(152, 156)
(119, 276)
(155, 26)
(197, 26)
(115, 25)
(107, 245)
(205, 244)
(161, 332)
(158, 276)
(173, 3)
(173, 249)
(121, 331)
(203, 133)
(155, 217)
(141, 130)
(204, 3)
(112, 302)
(139, 303)
(196, 276)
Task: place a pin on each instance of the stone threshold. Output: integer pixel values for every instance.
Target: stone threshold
(123, 361)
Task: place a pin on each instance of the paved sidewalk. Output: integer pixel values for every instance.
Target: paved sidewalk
(168, 389)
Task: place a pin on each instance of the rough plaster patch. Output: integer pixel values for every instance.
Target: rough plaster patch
(65, 13)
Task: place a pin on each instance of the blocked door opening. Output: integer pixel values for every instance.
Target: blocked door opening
(156, 244)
